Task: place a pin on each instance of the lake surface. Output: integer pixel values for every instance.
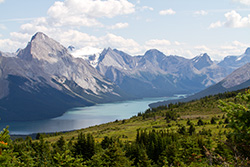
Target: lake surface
(83, 117)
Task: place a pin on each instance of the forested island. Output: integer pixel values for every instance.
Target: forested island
(212, 131)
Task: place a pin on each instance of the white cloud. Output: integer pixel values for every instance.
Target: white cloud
(244, 2)
(233, 20)
(235, 46)
(232, 48)
(118, 26)
(20, 37)
(82, 40)
(221, 51)
(201, 12)
(202, 49)
(146, 8)
(215, 25)
(127, 45)
(167, 12)
(9, 45)
(1, 1)
(168, 47)
(157, 43)
(177, 43)
(109, 40)
(64, 17)
(85, 12)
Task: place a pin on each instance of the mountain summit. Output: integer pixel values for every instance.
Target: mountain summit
(41, 47)
(247, 52)
(202, 61)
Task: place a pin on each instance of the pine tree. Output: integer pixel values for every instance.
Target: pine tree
(191, 129)
(113, 156)
(85, 146)
(7, 156)
(200, 122)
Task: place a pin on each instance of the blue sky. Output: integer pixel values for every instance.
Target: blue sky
(175, 27)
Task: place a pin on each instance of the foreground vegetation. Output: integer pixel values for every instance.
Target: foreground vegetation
(212, 131)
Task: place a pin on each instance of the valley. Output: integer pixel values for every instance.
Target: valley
(44, 76)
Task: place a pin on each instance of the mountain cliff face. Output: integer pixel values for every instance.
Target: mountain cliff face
(44, 80)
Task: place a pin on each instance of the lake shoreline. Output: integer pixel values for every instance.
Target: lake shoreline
(83, 117)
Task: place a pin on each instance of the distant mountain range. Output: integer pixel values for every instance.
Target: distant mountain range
(238, 79)
(155, 74)
(44, 80)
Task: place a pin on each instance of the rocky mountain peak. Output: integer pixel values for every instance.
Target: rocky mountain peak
(203, 56)
(202, 61)
(39, 36)
(42, 47)
(106, 51)
(44, 42)
(247, 52)
(71, 48)
(110, 57)
(153, 52)
(154, 55)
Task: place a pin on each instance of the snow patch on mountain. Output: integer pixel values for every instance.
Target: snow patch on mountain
(85, 52)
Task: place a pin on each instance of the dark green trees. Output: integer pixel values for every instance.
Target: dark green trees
(239, 120)
(84, 146)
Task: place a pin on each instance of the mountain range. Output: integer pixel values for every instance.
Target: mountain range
(44, 80)
(238, 79)
(155, 74)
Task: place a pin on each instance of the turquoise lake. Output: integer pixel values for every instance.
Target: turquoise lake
(83, 117)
